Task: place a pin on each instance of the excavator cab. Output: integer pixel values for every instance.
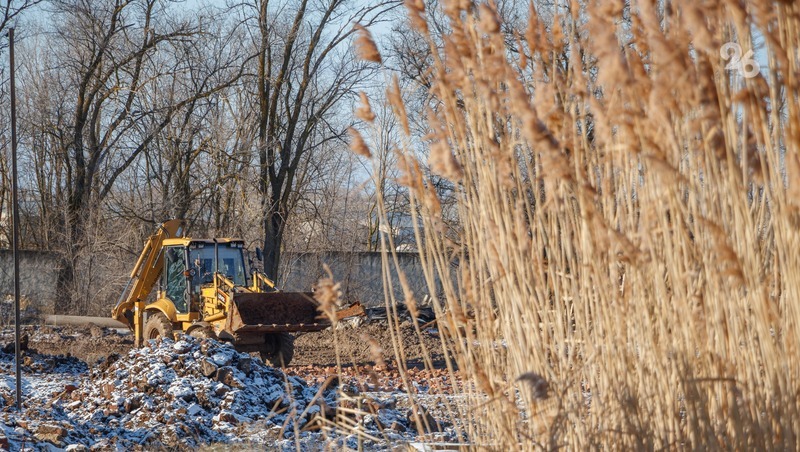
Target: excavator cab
(191, 267)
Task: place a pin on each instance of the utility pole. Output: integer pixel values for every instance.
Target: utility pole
(15, 220)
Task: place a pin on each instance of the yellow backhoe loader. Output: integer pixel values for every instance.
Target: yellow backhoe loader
(206, 290)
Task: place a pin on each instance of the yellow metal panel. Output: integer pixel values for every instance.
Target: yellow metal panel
(164, 306)
(207, 242)
(189, 317)
(176, 241)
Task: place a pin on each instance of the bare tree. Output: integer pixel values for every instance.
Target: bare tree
(10, 13)
(305, 69)
(195, 152)
(108, 103)
(134, 113)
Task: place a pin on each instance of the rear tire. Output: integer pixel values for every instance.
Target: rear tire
(279, 349)
(157, 326)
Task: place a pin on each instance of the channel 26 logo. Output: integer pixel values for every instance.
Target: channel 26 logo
(744, 64)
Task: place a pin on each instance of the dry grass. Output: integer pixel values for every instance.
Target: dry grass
(629, 214)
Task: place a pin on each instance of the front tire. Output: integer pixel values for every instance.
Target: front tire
(202, 332)
(157, 326)
(279, 349)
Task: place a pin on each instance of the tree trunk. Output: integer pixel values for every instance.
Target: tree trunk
(295, 105)
(273, 236)
(73, 233)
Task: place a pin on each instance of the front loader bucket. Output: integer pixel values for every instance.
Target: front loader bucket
(274, 312)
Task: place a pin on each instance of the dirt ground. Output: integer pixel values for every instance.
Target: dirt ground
(356, 345)
(365, 344)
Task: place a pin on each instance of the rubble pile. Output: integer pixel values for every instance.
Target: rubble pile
(182, 394)
(187, 392)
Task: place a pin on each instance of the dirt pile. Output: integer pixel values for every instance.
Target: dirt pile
(87, 343)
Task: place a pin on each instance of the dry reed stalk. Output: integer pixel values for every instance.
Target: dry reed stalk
(628, 223)
(364, 112)
(328, 294)
(365, 45)
(357, 143)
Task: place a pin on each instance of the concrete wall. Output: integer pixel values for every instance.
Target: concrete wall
(38, 278)
(359, 274)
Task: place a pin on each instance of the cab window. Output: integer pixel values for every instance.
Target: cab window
(175, 282)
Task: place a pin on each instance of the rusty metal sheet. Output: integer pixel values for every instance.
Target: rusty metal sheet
(354, 310)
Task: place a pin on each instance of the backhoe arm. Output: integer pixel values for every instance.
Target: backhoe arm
(130, 307)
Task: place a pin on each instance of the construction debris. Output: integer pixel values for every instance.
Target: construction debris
(186, 393)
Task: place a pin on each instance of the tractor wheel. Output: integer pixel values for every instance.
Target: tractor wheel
(202, 332)
(279, 349)
(157, 326)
